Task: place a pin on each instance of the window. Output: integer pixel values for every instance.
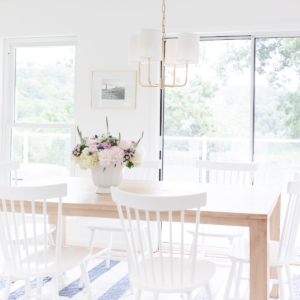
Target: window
(209, 118)
(277, 109)
(241, 103)
(40, 106)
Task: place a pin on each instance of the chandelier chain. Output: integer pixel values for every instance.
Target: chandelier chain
(164, 18)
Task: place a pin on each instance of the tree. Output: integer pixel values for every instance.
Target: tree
(279, 60)
(186, 111)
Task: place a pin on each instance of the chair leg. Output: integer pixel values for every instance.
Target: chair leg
(290, 282)
(155, 296)
(129, 272)
(6, 291)
(189, 296)
(192, 247)
(27, 286)
(39, 284)
(138, 295)
(281, 284)
(208, 292)
(238, 281)
(90, 247)
(109, 249)
(55, 291)
(230, 280)
(203, 246)
(86, 280)
(50, 239)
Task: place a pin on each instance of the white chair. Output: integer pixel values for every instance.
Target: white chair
(13, 166)
(282, 253)
(36, 260)
(147, 171)
(10, 166)
(172, 273)
(222, 173)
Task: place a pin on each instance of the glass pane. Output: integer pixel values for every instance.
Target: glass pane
(42, 153)
(277, 109)
(44, 87)
(209, 118)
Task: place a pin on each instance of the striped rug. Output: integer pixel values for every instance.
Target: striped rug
(113, 284)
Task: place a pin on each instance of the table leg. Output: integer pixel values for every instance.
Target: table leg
(275, 236)
(259, 260)
(52, 219)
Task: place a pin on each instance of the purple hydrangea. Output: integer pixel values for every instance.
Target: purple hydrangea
(76, 150)
(98, 145)
(106, 145)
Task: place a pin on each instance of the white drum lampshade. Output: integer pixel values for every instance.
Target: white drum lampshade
(171, 50)
(150, 43)
(133, 50)
(188, 48)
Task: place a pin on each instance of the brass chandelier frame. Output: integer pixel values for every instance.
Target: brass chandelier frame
(162, 84)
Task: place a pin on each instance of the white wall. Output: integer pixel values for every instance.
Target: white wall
(103, 28)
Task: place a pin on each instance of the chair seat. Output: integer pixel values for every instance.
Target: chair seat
(29, 231)
(240, 252)
(70, 258)
(218, 231)
(204, 271)
(110, 224)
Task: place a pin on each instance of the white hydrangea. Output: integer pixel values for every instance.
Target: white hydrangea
(139, 157)
(125, 144)
(105, 157)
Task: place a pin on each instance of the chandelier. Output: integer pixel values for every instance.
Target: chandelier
(150, 46)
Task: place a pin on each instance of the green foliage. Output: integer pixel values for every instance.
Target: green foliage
(290, 105)
(129, 165)
(186, 111)
(45, 95)
(278, 59)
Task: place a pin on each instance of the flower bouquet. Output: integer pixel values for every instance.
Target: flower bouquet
(107, 156)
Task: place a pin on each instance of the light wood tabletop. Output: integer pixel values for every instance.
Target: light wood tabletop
(256, 207)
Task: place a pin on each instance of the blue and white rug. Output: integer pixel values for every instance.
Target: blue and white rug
(113, 284)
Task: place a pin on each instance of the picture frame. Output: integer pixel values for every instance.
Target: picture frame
(113, 89)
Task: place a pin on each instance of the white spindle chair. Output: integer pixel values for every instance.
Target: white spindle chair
(13, 166)
(34, 259)
(282, 253)
(222, 173)
(162, 273)
(10, 166)
(147, 171)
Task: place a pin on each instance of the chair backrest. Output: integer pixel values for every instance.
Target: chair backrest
(148, 170)
(151, 270)
(226, 172)
(9, 166)
(13, 199)
(291, 222)
(297, 176)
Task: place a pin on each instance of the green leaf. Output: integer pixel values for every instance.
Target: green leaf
(82, 140)
(129, 165)
(107, 127)
(137, 143)
(104, 170)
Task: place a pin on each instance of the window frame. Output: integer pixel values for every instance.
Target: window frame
(8, 120)
(253, 38)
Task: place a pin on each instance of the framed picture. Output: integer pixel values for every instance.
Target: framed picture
(113, 89)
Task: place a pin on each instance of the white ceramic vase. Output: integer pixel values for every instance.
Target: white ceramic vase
(104, 180)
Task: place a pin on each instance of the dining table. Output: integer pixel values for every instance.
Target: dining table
(253, 206)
